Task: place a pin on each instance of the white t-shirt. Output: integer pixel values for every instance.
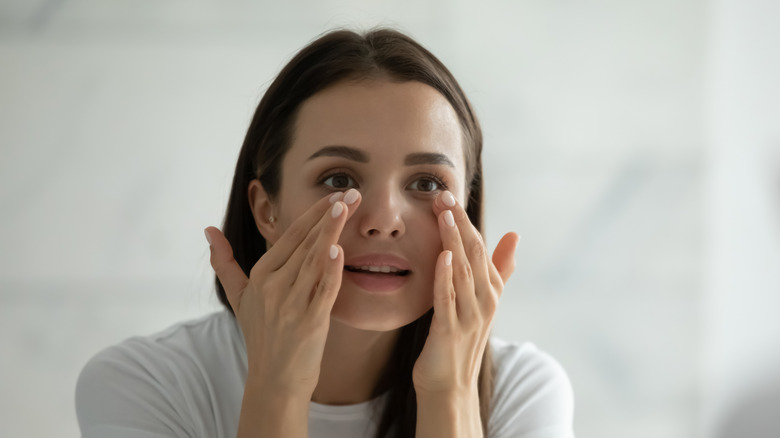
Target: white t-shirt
(188, 381)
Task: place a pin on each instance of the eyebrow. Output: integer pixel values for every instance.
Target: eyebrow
(427, 158)
(353, 154)
(341, 151)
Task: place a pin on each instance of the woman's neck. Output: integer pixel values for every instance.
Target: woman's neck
(352, 364)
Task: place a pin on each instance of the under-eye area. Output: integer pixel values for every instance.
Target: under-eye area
(386, 270)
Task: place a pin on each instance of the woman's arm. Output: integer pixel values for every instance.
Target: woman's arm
(269, 413)
(284, 326)
(449, 414)
(466, 291)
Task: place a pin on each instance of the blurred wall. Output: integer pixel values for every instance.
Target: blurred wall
(741, 301)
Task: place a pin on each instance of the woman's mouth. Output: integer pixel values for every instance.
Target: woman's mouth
(377, 272)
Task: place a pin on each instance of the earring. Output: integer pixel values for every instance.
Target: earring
(271, 219)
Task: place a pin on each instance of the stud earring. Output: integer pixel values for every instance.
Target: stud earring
(271, 219)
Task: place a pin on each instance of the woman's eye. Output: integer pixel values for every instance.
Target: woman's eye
(339, 181)
(425, 185)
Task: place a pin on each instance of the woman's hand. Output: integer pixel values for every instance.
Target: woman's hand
(284, 306)
(467, 287)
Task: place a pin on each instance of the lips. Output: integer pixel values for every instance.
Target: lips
(377, 272)
(384, 269)
(378, 264)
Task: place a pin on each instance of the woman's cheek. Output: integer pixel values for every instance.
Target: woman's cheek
(430, 237)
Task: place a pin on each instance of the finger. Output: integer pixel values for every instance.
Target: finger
(462, 275)
(504, 255)
(297, 260)
(281, 251)
(226, 267)
(327, 289)
(473, 244)
(444, 308)
(310, 273)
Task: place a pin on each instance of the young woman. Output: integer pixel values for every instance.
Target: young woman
(358, 289)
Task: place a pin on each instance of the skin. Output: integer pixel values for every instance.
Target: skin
(313, 334)
(386, 121)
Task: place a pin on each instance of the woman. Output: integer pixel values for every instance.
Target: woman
(359, 293)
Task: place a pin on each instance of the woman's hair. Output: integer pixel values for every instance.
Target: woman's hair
(336, 57)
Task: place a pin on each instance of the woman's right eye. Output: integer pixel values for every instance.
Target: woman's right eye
(339, 181)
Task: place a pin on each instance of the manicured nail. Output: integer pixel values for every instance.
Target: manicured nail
(351, 196)
(448, 258)
(448, 199)
(336, 197)
(338, 207)
(208, 238)
(334, 252)
(449, 219)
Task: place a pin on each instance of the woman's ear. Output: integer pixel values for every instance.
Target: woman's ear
(263, 212)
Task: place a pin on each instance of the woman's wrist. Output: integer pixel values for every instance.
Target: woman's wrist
(452, 413)
(276, 383)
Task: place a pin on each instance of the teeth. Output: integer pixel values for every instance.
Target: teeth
(385, 269)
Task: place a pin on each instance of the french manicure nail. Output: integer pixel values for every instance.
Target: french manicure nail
(448, 258)
(338, 207)
(334, 252)
(336, 197)
(449, 219)
(448, 199)
(208, 238)
(351, 196)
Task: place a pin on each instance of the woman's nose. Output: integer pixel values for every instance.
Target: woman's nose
(380, 215)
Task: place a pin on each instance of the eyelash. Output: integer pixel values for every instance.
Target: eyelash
(331, 174)
(438, 179)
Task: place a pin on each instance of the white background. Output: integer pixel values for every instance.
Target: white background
(633, 144)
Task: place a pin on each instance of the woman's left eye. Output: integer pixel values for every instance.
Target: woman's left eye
(340, 181)
(426, 185)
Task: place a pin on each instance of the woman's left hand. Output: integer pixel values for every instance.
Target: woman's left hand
(467, 287)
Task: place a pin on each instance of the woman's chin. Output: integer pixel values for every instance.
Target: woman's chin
(376, 315)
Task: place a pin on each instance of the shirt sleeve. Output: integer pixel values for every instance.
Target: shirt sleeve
(120, 395)
(533, 397)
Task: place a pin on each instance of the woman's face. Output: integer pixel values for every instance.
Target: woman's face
(399, 145)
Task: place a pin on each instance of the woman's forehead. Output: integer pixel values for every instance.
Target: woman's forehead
(380, 118)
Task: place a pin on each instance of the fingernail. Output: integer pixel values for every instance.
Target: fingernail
(338, 207)
(448, 258)
(208, 238)
(351, 196)
(336, 197)
(449, 219)
(334, 252)
(448, 199)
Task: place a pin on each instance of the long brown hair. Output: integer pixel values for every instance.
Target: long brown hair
(334, 57)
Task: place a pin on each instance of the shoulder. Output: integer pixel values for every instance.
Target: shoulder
(181, 346)
(158, 382)
(523, 364)
(532, 394)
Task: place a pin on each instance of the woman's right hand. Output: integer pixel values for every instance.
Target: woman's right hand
(284, 306)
